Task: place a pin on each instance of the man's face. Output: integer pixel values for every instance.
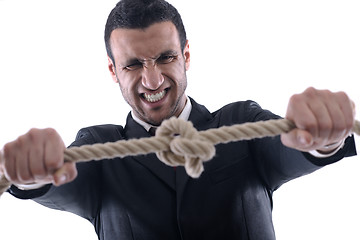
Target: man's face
(151, 70)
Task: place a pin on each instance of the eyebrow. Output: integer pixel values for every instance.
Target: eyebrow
(168, 52)
(136, 60)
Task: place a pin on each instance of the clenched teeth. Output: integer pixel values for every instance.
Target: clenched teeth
(154, 97)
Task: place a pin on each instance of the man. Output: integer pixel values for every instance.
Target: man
(140, 197)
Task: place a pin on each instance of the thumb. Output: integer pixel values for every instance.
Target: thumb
(298, 139)
(65, 174)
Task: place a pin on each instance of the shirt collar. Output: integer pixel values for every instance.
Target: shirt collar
(183, 115)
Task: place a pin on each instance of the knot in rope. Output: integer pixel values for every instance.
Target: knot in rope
(186, 146)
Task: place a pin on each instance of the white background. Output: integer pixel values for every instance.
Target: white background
(53, 73)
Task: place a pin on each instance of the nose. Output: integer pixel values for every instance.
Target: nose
(152, 78)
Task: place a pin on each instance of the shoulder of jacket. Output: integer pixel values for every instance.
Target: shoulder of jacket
(101, 133)
(239, 106)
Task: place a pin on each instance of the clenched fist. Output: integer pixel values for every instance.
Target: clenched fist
(323, 120)
(37, 157)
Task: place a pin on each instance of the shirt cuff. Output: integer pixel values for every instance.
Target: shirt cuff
(29, 186)
(318, 154)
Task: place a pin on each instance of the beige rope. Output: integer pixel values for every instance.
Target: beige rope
(178, 143)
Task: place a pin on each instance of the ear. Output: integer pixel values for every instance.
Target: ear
(112, 70)
(186, 54)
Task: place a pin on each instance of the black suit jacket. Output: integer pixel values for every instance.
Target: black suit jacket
(141, 198)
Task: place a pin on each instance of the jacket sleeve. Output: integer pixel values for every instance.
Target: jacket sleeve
(277, 163)
(82, 196)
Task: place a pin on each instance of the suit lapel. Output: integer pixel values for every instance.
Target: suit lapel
(150, 161)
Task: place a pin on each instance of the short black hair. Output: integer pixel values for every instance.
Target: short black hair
(140, 14)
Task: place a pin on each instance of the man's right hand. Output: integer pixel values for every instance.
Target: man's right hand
(37, 157)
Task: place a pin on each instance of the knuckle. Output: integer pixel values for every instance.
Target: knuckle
(36, 134)
(326, 92)
(7, 149)
(21, 141)
(342, 95)
(33, 134)
(311, 91)
(33, 131)
(343, 98)
(50, 132)
(27, 138)
(294, 99)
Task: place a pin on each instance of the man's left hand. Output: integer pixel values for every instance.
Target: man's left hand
(323, 120)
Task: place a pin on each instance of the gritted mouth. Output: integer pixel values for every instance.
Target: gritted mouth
(155, 97)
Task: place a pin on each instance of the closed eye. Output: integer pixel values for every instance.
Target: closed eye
(163, 59)
(133, 66)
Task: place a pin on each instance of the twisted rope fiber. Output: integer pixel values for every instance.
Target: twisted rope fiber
(177, 139)
(178, 143)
